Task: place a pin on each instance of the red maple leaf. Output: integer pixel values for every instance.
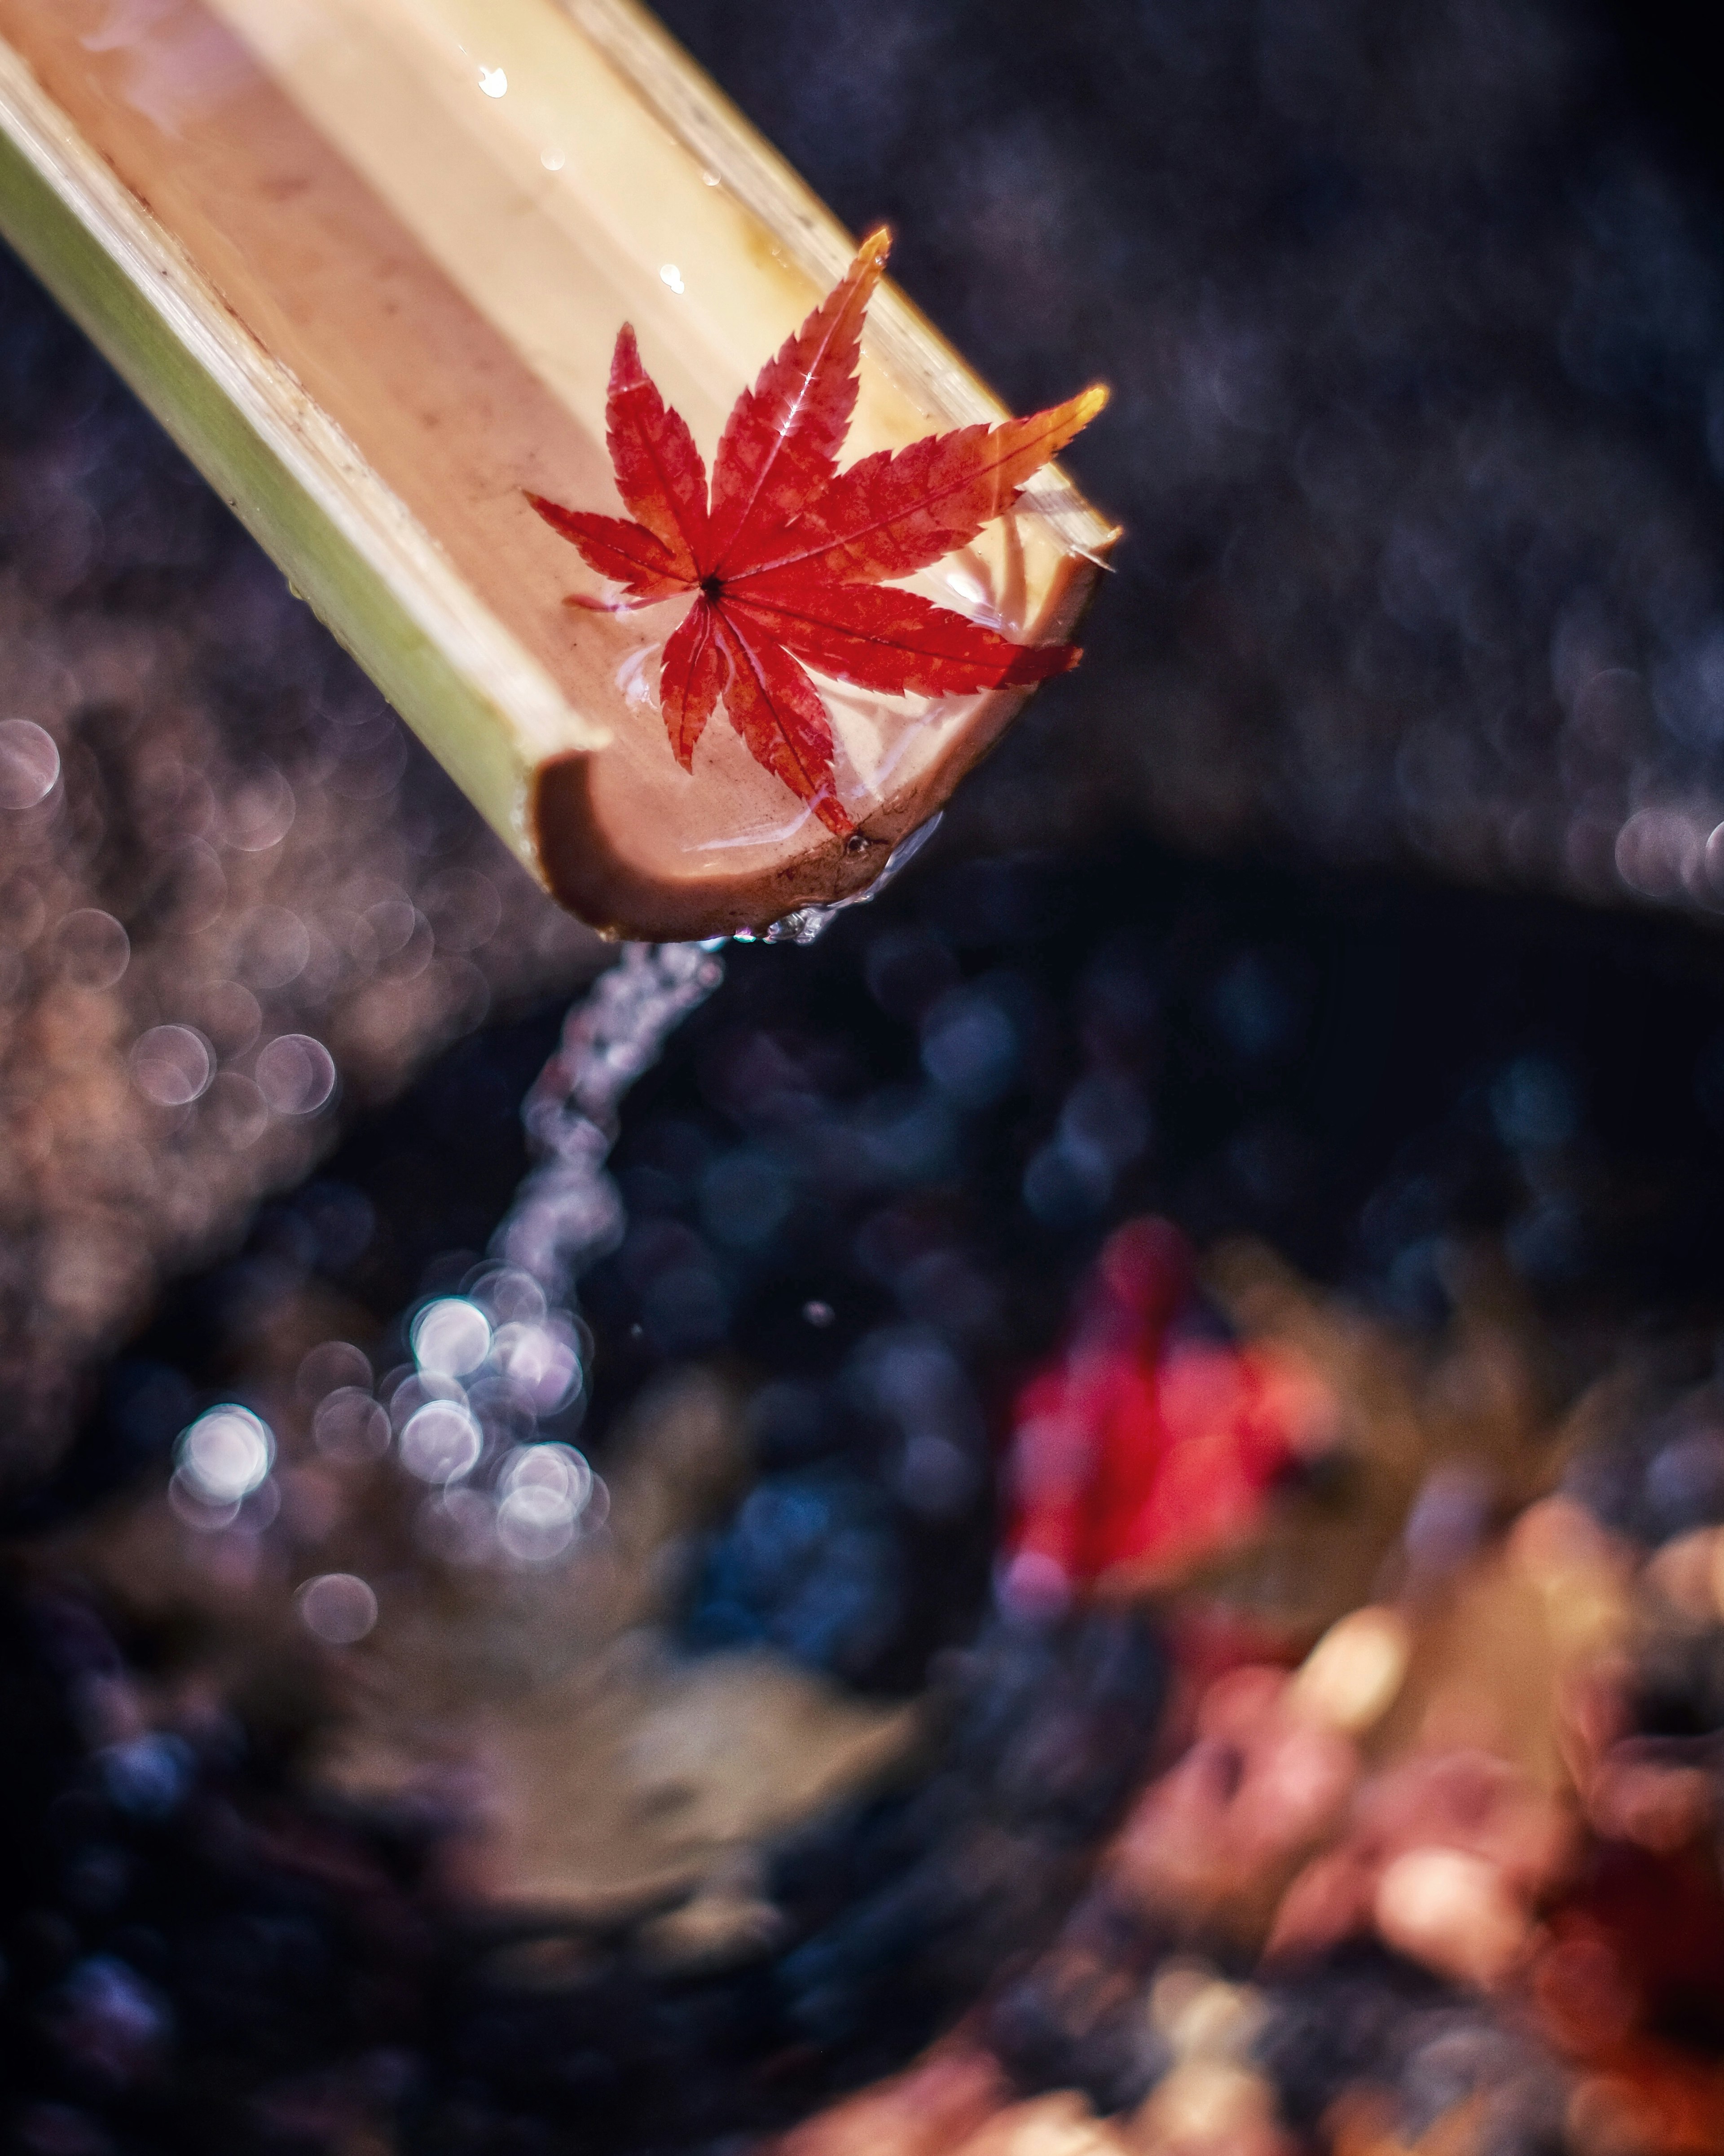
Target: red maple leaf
(787, 558)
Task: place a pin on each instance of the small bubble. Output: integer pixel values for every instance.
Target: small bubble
(295, 1075)
(390, 924)
(819, 1315)
(338, 1607)
(171, 1065)
(462, 994)
(29, 763)
(671, 275)
(494, 82)
(552, 160)
(382, 920)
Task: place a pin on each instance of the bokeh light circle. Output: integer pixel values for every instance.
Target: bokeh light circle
(338, 1607)
(295, 1074)
(29, 763)
(171, 1065)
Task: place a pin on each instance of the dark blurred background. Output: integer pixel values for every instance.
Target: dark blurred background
(1266, 921)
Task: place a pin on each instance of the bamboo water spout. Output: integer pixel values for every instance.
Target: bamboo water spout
(366, 260)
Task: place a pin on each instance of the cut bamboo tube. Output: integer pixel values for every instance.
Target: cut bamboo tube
(366, 259)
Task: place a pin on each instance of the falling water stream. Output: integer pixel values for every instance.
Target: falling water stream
(513, 1336)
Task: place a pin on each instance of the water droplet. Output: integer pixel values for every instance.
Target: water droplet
(552, 160)
(638, 677)
(671, 275)
(494, 82)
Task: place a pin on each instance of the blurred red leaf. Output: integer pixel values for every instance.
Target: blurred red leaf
(1133, 1455)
